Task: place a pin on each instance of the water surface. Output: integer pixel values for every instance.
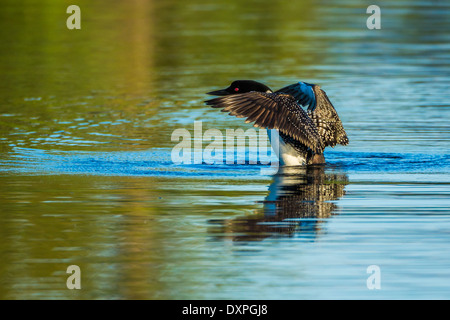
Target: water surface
(86, 175)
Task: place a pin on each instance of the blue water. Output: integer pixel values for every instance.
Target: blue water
(299, 233)
(158, 162)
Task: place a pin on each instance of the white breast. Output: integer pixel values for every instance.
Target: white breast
(287, 155)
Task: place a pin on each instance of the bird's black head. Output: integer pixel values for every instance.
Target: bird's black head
(241, 86)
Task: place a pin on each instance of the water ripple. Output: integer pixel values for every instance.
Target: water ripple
(157, 162)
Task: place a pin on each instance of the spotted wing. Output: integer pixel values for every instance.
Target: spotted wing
(302, 92)
(327, 120)
(272, 111)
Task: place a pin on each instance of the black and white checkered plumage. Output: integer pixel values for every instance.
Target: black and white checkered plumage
(320, 110)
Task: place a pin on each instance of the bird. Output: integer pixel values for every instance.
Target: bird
(302, 135)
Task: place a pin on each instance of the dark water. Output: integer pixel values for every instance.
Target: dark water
(87, 179)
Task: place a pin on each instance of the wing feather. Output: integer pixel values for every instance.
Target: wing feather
(320, 110)
(272, 111)
(325, 117)
(302, 92)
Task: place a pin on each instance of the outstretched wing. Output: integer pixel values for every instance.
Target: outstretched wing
(320, 110)
(327, 120)
(302, 92)
(272, 111)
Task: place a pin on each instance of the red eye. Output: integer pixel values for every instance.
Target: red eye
(236, 89)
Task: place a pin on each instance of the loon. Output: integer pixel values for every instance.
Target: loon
(302, 135)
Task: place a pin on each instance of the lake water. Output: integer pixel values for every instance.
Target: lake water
(86, 176)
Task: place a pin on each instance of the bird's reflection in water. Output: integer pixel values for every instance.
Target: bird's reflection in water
(299, 199)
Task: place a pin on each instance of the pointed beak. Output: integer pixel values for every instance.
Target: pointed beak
(219, 93)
